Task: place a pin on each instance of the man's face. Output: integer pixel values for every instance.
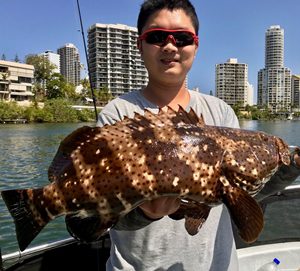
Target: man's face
(168, 63)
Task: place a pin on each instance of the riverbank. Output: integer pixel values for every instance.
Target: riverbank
(52, 111)
(13, 121)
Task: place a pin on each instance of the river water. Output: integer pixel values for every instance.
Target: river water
(27, 150)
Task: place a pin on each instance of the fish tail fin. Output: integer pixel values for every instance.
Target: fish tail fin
(20, 207)
(245, 212)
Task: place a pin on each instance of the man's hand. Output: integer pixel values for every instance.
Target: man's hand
(160, 207)
(297, 159)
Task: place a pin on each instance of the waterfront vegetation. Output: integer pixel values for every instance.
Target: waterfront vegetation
(54, 110)
(256, 113)
(60, 110)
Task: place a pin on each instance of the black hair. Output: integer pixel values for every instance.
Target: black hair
(151, 6)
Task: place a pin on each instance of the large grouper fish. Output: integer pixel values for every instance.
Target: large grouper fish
(107, 172)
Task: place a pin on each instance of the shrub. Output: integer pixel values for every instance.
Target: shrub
(54, 110)
(59, 110)
(10, 110)
(86, 115)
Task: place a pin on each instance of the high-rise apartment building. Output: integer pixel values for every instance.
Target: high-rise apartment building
(114, 59)
(232, 82)
(274, 81)
(53, 59)
(274, 47)
(70, 63)
(296, 91)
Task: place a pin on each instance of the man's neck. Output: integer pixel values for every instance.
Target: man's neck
(163, 96)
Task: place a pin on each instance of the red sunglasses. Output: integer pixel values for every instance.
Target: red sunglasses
(161, 36)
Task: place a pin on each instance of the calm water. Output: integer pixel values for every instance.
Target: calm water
(26, 152)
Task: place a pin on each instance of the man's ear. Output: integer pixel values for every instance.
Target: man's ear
(196, 50)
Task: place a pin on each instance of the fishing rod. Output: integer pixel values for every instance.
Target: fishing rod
(91, 86)
(87, 61)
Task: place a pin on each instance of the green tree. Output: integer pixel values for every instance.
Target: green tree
(70, 92)
(85, 83)
(55, 86)
(43, 71)
(261, 113)
(5, 77)
(17, 59)
(103, 95)
(58, 87)
(237, 108)
(86, 88)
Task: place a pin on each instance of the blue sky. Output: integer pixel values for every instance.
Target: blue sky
(228, 29)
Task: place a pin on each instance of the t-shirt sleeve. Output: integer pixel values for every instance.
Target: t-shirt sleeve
(109, 115)
(230, 118)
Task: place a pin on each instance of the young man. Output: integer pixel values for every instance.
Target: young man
(147, 239)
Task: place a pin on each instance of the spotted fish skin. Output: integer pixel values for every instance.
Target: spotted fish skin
(107, 172)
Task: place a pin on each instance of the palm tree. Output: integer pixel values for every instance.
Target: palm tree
(5, 77)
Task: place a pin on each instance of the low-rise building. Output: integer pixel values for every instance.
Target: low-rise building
(16, 81)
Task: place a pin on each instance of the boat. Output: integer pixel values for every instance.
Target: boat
(290, 116)
(282, 208)
(281, 234)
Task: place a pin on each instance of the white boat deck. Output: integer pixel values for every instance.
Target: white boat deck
(251, 258)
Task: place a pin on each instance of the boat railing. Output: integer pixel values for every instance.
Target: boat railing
(29, 253)
(20, 256)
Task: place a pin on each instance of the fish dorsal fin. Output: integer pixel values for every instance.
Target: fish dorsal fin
(163, 118)
(183, 117)
(196, 118)
(192, 116)
(168, 117)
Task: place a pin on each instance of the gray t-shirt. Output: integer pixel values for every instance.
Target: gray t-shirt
(164, 244)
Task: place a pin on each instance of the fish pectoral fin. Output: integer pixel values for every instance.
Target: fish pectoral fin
(195, 215)
(245, 212)
(85, 229)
